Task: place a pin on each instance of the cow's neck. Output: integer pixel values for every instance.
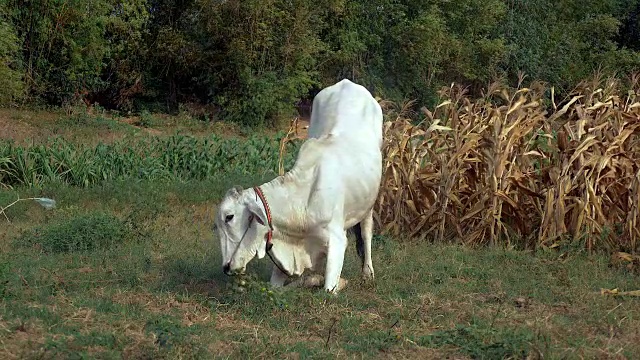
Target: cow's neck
(287, 197)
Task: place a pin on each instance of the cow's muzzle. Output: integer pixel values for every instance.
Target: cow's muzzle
(227, 270)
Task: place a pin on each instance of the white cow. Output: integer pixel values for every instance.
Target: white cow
(300, 219)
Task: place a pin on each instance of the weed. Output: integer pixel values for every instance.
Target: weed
(4, 281)
(482, 342)
(82, 233)
(146, 119)
(166, 330)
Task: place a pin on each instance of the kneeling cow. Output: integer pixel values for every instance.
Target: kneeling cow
(300, 219)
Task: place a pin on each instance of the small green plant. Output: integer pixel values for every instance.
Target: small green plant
(276, 298)
(482, 343)
(258, 289)
(82, 233)
(4, 271)
(146, 119)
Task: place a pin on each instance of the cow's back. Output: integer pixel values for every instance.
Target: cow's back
(349, 111)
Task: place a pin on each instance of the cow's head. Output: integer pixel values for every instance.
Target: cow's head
(240, 226)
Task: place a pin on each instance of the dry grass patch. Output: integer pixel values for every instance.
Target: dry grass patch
(20, 339)
(190, 312)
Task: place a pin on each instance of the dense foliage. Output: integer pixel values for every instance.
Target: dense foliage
(252, 61)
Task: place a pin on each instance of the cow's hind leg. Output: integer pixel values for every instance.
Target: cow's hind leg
(307, 281)
(357, 231)
(363, 242)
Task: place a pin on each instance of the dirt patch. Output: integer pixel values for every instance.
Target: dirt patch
(27, 127)
(140, 344)
(221, 348)
(410, 350)
(134, 121)
(18, 130)
(192, 312)
(31, 126)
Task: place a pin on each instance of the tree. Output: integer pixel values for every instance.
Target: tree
(12, 83)
(563, 42)
(63, 45)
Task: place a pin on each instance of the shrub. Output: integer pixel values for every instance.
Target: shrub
(12, 88)
(81, 233)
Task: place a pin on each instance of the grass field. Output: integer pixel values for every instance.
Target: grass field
(131, 269)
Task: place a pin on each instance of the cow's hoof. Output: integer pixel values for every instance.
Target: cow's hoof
(367, 273)
(342, 283)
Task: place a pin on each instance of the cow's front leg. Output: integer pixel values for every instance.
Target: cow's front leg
(278, 278)
(336, 247)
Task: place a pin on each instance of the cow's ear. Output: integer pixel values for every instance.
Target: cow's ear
(257, 210)
(235, 192)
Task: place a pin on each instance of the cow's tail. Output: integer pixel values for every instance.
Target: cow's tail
(357, 230)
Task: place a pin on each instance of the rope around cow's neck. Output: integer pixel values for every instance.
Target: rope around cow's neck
(269, 235)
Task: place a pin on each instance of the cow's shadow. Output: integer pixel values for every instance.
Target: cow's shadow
(203, 275)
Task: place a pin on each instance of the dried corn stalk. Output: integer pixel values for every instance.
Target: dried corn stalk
(501, 169)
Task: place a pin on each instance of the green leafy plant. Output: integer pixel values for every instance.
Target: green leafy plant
(81, 233)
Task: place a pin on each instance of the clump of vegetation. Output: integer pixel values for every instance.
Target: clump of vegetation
(482, 342)
(518, 167)
(82, 233)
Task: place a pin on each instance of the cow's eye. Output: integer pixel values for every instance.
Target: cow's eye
(228, 218)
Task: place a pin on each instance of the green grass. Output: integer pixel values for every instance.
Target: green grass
(160, 293)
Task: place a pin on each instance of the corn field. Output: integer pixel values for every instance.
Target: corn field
(176, 157)
(515, 167)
